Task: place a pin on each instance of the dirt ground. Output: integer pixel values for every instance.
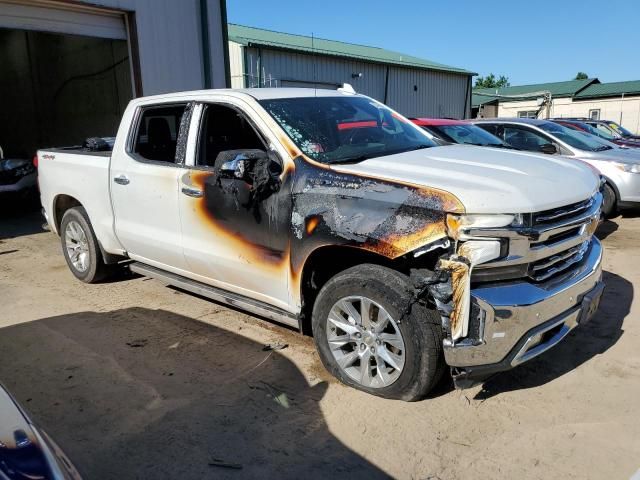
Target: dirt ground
(137, 380)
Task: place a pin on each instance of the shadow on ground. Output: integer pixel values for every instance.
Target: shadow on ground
(605, 229)
(584, 343)
(139, 393)
(20, 215)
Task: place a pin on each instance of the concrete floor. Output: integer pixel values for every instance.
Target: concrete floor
(137, 380)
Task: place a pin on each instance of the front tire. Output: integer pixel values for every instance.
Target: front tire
(367, 340)
(609, 201)
(80, 246)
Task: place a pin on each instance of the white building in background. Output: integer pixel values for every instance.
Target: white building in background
(616, 101)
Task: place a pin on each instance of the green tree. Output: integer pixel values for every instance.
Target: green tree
(581, 76)
(490, 81)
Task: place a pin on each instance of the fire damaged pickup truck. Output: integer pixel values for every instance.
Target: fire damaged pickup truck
(329, 212)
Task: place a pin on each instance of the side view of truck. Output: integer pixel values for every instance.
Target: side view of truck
(329, 212)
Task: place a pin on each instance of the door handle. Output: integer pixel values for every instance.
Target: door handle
(192, 192)
(121, 180)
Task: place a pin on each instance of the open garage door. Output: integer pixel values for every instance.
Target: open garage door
(66, 75)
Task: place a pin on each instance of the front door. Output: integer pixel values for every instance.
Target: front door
(144, 188)
(235, 232)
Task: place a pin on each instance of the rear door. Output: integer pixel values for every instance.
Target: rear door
(230, 240)
(144, 185)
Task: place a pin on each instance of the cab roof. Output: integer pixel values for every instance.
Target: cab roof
(256, 93)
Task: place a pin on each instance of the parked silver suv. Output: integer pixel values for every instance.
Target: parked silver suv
(619, 166)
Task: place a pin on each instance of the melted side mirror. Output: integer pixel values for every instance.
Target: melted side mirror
(236, 164)
(548, 148)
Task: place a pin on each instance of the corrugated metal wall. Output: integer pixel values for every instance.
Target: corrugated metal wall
(412, 92)
(428, 93)
(236, 65)
(170, 43)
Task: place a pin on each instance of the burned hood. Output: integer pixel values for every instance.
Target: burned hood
(487, 180)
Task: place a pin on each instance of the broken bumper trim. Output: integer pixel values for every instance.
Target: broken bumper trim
(521, 320)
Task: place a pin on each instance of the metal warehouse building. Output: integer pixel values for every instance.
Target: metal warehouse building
(69, 68)
(413, 86)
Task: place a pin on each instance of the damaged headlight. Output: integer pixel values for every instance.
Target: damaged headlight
(456, 224)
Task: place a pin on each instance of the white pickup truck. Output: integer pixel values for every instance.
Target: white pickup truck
(329, 212)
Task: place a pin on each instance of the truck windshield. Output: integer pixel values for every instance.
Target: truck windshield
(579, 140)
(345, 129)
(467, 134)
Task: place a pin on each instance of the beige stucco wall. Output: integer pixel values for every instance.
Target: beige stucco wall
(626, 112)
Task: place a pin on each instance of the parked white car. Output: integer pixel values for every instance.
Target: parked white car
(619, 166)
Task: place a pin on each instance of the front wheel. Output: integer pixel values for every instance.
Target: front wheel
(368, 339)
(80, 246)
(609, 201)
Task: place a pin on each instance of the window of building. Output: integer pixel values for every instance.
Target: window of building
(528, 114)
(157, 133)
(594, 114)
(225, 128)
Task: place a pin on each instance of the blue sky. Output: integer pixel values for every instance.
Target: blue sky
(530, 42)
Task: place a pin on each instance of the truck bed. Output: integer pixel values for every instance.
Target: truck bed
(75, 174)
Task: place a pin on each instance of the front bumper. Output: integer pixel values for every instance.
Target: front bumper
(519, 320)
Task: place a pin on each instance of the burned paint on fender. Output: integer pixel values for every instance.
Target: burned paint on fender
(381, 216)
(317, 206)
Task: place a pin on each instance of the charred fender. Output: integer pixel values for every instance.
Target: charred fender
(388, 218)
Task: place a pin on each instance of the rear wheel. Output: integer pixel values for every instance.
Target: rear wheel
(609, 201)
(368, 340)
(80, 246)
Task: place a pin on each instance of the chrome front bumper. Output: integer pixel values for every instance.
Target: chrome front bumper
(519, 320)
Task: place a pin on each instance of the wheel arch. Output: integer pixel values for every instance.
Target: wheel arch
(61, 204)
(327, 261)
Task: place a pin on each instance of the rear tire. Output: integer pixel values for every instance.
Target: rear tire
(80, 246)
(609, 201)
(404, 360)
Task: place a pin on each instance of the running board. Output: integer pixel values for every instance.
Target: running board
(233, 299)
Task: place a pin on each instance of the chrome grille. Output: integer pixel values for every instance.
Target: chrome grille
(552, 242)
(548, 267)
(558, 214)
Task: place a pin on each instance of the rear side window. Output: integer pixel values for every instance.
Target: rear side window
(157, 133)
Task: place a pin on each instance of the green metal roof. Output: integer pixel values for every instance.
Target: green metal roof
(250, 36)
(477, 100)
(612, 89)
(558, 89)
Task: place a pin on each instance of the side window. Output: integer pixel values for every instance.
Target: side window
(495, 130)
(524, 139)
(157, 132)
(224, 128)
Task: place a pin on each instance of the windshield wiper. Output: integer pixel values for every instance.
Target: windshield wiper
(355, 159)
(361, 158)
(602, 148)
(501, 145)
